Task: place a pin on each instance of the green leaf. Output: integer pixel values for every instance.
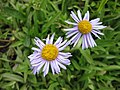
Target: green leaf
(27, 41)
(9, 84)
(112, 67)
(86, 55)
(14, 13)
(16, 44)
(53, 85)
(43, 4)
(13, 77)
(75, 64)
(22, 68)
(87, 75)
(102, 4)
(23, 87)
(51, 21)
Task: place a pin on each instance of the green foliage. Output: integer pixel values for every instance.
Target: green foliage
(97, 68)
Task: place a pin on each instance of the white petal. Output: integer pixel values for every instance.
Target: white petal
(92, 40)
(65, 55)
(52, 67)
(95, 34)
(79, 15)
(86, 17)
(47, 69)
(74, 16)
(36, 49)
(34, 70)
(61, 65)
(85, 41)
(51, 39)
(58, 41)
(94, 23)
(38, 44)
(71, 34)
(30, 56)
(61, 44)
(36, 64)
(71, 29)
(71, 23)
(35, 61)
(63, 60)
(98, 32)
(56, 67)
(46, 62)
(62, 48)
(40, 65)
(33, 56)
(74, 37)
(95, 20)
(88, 40)
(99, 27)
(48, 40)
(78, 38)
(39, 41)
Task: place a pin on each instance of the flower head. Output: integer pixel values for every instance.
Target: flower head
(83, 28)
(49, 54)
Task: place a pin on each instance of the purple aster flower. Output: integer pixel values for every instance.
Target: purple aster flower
(83, 28)
(49, 55)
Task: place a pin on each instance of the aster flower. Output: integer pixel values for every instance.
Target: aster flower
(49, 55)
(83, 28)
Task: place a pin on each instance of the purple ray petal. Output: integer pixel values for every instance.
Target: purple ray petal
(95, 20)
(94, 23)
(40, 65)
(95, 34)
(39, 41)
(36, 49)
(48, 39)
(61, 44)
(65, 55)
(85, 41)
(35, 61)
(71, 23)
(98, 32)
(88, 40)
(51, 39)
(56, 67)
(79, 15)
(78, 38)
(69, 32)
(72, 34)
(74, 16)
(52, 67)
(92, 40)
(86, 17)
(71, 29)
(99, 27)
(47, 69)
(58, 41)
(63, 60)
(74, 37)
(61, 65)
(64, 46)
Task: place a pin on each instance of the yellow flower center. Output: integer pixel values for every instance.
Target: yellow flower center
(84, 26)
(49, 52)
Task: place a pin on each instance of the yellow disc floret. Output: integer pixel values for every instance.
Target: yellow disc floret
(84, 26)
(49, 52)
